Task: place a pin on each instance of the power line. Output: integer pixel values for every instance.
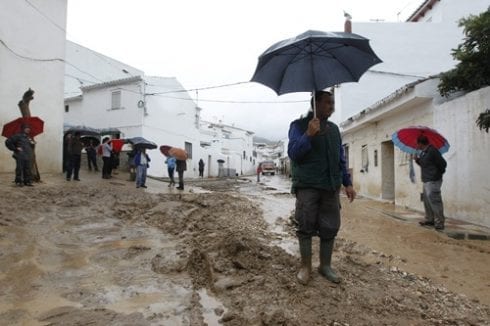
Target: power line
(232, 102)
(45, 16)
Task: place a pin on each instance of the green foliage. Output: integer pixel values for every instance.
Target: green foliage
(483, 120)
(473, 69)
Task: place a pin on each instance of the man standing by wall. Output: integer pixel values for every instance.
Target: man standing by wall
(22, 145)
(318, 171)
(74, 157)
(433, 166)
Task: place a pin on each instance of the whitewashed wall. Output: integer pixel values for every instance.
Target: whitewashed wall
(466, 186)
(465, 190)
(27, 33)
(409, 51)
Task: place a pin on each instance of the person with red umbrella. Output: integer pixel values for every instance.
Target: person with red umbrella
(23, 147)
(433, 166)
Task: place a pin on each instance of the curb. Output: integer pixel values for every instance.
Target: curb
(454, 234)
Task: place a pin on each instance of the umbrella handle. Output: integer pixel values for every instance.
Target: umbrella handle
(314, 105)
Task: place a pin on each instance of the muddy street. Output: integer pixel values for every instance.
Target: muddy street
(101, 252)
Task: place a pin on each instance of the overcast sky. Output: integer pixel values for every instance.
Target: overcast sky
(206, 43)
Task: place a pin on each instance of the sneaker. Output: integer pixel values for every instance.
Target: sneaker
(19, 184)
(68, 179)
(439, 228)
(76, 179)
(143, 186)
(426, 223)
(29, 184)
(180, 188)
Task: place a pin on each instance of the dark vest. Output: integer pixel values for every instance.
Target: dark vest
(320, 167)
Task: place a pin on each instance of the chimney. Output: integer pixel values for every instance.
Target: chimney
(348, 23)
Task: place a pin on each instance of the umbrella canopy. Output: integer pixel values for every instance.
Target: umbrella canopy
(140, 142)
(164, 149)
(110, 131)
(83, 130)
(15, 126)
(178, 153)
(313, 61)
(406, 139)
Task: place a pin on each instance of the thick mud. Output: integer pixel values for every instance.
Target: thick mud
(105, 253)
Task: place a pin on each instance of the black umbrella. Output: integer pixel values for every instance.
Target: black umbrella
(313, 61)
(110, 131)
(83, 130)
(141, 142)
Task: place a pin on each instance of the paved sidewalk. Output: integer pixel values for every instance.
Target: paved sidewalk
(456, 229)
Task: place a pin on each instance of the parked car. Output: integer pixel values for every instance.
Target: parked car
(268, 167)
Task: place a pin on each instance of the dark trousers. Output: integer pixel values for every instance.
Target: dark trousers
(73, 166)
(317, 213)
(106, 167)
(23, 170)
(201, 172)
(181, 179)
(171, 175)
(92, 161)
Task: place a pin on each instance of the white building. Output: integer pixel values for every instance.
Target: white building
(32, 51)
(114, 95)
(381, 171)
(418, 48)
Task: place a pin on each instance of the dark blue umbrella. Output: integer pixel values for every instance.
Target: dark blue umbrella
(313, 61)
(140, 142)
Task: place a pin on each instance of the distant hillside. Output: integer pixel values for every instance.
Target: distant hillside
(258, 139)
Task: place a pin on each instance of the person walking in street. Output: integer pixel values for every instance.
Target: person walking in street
(23, 147)
(201, 168)
(141, 160)
(181, 166)
(74, 149)
(171, 162)
(318, 171)
(259, 171)
(106, 158)
(432, 166)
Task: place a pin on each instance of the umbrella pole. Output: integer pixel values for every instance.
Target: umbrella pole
(314, 105)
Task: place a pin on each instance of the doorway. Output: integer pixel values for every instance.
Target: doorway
(387, 170)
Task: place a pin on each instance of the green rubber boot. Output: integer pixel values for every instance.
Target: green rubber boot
(326, 248)
(304, 273)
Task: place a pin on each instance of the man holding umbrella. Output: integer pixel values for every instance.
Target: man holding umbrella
(433, 166)
(318, 171)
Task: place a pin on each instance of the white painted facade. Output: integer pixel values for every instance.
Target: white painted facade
(32, 50)
(156, 108)
(409, 50)
(386, 175)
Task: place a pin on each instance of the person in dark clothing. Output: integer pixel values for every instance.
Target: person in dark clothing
(318, 170)
(23, 147)
(91, 156)
(201, 168)
(433, 166)
(74, 157)
(181, 166)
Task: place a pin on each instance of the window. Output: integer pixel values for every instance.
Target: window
(116, 100)
(375, 157)
(67, 108)
(188, 149)
(244, 155)
(364, 158)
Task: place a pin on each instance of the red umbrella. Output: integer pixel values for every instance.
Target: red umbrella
(406, 139)
(164, 149)
(178, 153)
(15, 126)
(117, 144)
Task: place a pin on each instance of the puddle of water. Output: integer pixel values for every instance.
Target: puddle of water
(209, 305)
